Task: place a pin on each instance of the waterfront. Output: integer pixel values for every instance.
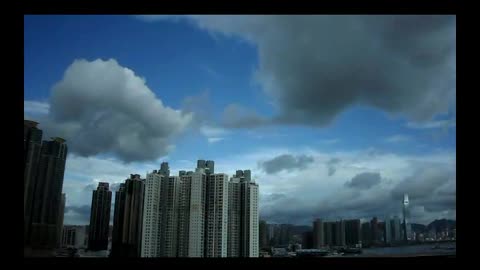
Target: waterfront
(407, 251)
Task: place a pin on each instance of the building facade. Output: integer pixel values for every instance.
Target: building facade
(191, 216)
(396, 229)
(216, 215)
(128, 216)
(243, 217)
(169, 200)
(352, 232)
(47, 198)
(100, 218)
(74, 236)
(263, 235)
(387, 231)
(318, 234)
(151, 215)
(32, 145)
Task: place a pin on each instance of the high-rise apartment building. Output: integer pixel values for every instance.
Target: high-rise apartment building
(118, 221)
(151, 214)
(243, 223)
(387, 230)
(263, 236)
(216, 215)
(47, 198)
(340, 233)
(318, 234)
(329, 233)
(100, 218)
(191, 216)
(376, 233)
(32, 144)
(61, 214)
(169, 201)
(396, 229)
(352, 232)
(366, 234)
(128, 216)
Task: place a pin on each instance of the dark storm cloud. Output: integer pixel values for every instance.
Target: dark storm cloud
(286, 162)
(364, 180)
(331, 165)
(102, 107)
(315, 67)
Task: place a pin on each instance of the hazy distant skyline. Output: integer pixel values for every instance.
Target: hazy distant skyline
(336, 116)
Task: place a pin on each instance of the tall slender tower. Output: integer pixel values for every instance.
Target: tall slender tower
(169, 199)
(151, 214)
(47, 199)
(32, 144)
(388, 230)
(100, 218)
(61, 214)
(127, 227)
(191, 219)
(243, 223)
(216, 215)
(406, 215)
(318, 234)
(118, 218)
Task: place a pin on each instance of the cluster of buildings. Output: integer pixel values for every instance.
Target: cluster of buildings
(194, 214)
(339, 233)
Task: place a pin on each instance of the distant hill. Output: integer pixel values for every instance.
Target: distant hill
(441, 224)
(418, 228)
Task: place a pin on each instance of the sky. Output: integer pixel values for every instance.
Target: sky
(336, 116)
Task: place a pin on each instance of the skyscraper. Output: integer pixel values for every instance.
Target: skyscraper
(318, 234)
(340, 233)
(263, 235)
(388, 230)
(217, 215)
(47, 197)
(406, 214)
(127, 227)
(352, 232)
(169, 200)
(100, 218)
(376, 234)
(208, 166)
(191, 216)
(118, 222)
(396, 229)
(151, 214)
(243, 224)
(329, 233)
(61, 214)
(32, 144)
(366, 234)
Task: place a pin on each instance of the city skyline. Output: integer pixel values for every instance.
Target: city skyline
(297, 105)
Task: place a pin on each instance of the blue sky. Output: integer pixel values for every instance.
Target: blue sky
(183, 59)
